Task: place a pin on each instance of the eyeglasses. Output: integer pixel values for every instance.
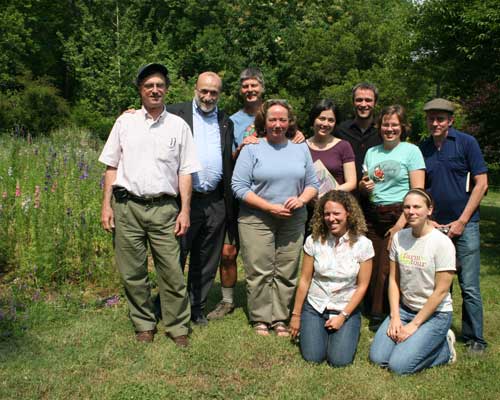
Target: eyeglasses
(149, 86)
(439, 118)
(204, 92)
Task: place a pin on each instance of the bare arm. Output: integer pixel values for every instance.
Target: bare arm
(300, 297)
(185, 188)
(394, 295)
(349, 176)
(107, 218)
(441, 289)
(477, 194)
(247, 140)
(364, 274)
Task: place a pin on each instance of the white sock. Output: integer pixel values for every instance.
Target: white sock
(228, 295)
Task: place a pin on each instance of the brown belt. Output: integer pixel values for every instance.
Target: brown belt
(388, 207)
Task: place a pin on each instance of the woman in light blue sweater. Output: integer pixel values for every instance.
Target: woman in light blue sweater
(273, 179)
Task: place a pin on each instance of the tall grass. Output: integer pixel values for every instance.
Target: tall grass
(50, 210)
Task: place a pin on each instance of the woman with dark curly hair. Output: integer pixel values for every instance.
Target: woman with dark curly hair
(274, 179)
(336, 271)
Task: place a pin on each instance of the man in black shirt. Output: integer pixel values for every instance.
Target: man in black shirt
(361, 132)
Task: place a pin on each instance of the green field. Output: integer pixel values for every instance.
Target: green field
(60, 340)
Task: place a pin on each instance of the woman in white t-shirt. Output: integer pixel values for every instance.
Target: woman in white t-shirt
(417, 333)
(335, 275)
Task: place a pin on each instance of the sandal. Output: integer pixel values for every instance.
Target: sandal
(281, 329)
(261, 329)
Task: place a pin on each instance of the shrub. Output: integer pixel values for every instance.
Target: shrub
(35, 107)
(86, 116)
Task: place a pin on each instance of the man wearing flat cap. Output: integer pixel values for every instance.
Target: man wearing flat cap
(456, 177)
(149, 157)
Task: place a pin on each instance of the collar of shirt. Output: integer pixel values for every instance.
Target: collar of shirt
(148, 116)
(206, 135)
(452, 135)
(339, 241)
(202, 113)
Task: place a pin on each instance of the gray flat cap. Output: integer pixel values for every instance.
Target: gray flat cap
(439, 105)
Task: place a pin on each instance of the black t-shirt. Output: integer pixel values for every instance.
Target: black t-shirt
(359, 141)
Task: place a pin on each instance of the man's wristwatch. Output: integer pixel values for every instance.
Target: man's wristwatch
(345, 315)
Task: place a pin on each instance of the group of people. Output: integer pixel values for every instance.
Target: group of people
(197, 185)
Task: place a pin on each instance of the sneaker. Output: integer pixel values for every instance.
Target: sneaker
(450, 338)
(476, 349)
(199, 320)
(221, 310)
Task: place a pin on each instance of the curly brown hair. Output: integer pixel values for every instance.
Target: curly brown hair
(356, 224)
(260, 117)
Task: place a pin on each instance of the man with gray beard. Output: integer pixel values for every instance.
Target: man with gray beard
(212, 205)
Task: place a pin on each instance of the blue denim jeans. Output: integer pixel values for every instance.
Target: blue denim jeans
(468, 255)
(318, 344)
(426, 348)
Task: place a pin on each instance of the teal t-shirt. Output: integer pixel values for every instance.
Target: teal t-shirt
(390, 170)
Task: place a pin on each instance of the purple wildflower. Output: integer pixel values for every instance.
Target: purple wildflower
(112, 301)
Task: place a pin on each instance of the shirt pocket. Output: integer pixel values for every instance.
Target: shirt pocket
(457, 165)
(166, 149)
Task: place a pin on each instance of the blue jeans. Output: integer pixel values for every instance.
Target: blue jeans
(467, 247)
(318, 343)
(426, 348)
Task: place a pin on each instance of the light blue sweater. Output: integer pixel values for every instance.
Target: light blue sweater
(273, 172)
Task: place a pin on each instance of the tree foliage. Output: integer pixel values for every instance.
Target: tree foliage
(91, 50)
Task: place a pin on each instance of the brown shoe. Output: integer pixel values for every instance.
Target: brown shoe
(145, 336)
(180, 341)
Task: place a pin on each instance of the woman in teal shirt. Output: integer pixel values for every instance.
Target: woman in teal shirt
(391, 169)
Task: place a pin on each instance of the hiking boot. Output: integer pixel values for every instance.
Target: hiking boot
(221, 310)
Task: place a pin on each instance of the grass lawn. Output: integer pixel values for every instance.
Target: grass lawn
(68, 347)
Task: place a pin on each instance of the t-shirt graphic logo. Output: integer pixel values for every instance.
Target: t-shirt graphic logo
(386, 171)
(250, 131)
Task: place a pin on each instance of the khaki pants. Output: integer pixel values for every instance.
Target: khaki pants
(270, 248)
(136, 226)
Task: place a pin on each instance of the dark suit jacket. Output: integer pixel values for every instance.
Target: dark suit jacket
(226, 128)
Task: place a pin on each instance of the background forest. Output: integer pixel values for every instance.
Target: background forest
(73, 61)
(66, 72)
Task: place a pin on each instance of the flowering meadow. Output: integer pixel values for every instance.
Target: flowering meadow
(50, 195)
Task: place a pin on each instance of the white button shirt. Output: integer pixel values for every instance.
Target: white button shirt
(336, 268)
(150, 154)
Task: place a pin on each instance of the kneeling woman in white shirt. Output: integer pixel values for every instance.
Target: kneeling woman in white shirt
(335, 275)
(417, 333)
